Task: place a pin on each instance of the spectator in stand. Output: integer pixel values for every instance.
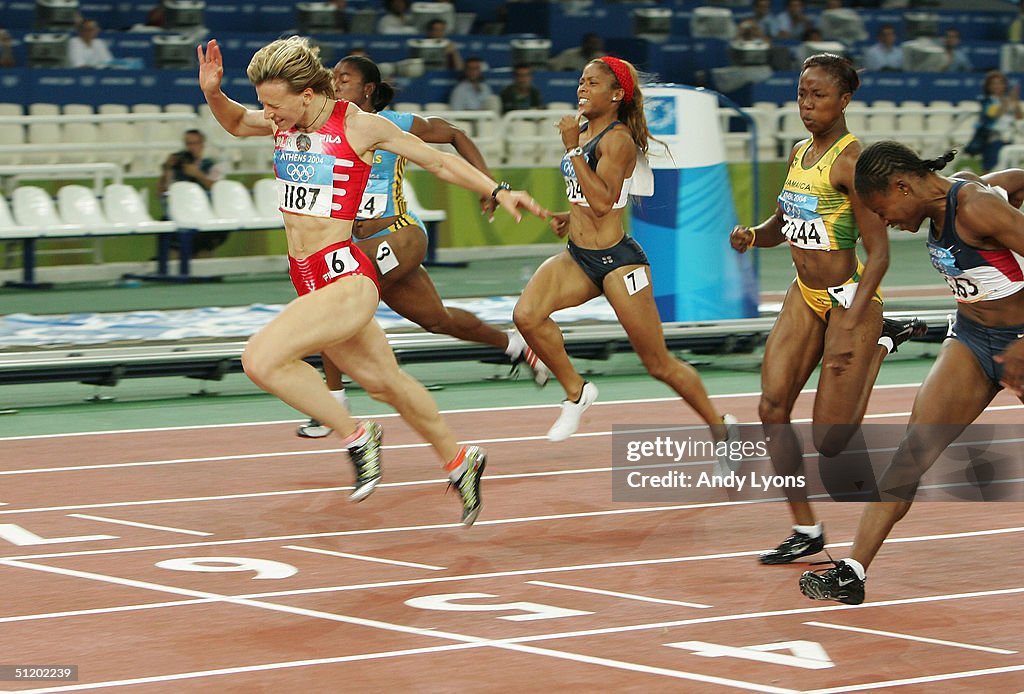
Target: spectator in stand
(438, 29)
(997, 119)
(87, 49)
(956, 56)
(341, 18)
(576, 59)
(1016, 31)
(792, 22)
(192, 164)
(397, 19)
(521, 93)
(886, 54)
(6, 54)
(761, 24)
(472, 93)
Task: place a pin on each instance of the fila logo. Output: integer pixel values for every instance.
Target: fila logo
(332, 139)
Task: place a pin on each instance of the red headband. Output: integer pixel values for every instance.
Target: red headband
(622, 74)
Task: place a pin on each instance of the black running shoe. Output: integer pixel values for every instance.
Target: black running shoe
(366, 459)
(468, 484)
(792, 548)
(839, 583)
(900, 331)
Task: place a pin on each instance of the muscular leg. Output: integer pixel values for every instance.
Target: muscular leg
(793, 349)
(415, 297)
(369, 360)
(850, 363)
(639, 316)
(953, 394)
(558, 283)
(273, 357)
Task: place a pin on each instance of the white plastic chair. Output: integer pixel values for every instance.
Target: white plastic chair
(189, 207)
(231, 200)
(10, 228)
(412, 202)
(33, 206)
(73, 134)
(123, 204)
(78, 203)
(264, 197)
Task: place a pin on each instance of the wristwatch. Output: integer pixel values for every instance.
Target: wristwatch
(500, 187)
(574, 152)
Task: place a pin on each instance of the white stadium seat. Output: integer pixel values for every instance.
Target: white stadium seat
(189, 207)
(231, 200)
(123, 204)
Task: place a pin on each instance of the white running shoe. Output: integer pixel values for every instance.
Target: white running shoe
(519, 352)
(572, 412)
(314, 428)
(724, 466)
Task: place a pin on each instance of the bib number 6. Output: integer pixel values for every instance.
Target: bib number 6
(340, 262)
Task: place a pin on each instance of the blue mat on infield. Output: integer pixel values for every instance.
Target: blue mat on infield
(27, 330)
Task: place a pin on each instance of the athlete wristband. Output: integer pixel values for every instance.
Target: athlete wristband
(500, 187)
(574, 152)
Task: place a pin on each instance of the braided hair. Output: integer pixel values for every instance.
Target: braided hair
(383, 92)
(879, 161)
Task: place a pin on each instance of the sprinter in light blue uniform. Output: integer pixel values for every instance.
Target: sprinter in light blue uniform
(394, 238)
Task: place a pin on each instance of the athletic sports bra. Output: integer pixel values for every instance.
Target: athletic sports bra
(319, 174)
(972, 274)
(574, 192)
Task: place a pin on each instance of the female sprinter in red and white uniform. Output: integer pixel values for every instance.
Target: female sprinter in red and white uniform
(322, 156)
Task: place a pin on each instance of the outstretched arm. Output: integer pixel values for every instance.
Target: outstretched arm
(438, 131)
(233, 117)
(369, 131)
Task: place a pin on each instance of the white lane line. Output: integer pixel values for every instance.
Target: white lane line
(616, 594)
(264, 667)
(362, 557)
(478, 441)
(770, 613)
(410, 483)
(918, 680)
(472, 410)
(387, 626)
(506, 521)
(135, 524)
(909, 637)
(104, 610)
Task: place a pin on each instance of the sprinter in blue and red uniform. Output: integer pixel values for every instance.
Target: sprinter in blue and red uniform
(976, 242)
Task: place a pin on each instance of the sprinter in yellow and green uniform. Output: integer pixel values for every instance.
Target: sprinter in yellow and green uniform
(832, 313)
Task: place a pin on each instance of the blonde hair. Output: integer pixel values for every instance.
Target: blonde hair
(294, 61)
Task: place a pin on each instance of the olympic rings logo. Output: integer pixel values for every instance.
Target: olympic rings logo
(300, 172)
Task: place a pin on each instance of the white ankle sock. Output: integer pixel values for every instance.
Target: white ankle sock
(886, 342)
(810, 530)
(857, 567)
